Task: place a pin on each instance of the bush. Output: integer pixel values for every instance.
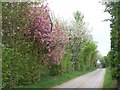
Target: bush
(56, 70)
(20, 66)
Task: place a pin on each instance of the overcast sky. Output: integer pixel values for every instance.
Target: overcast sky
(93, 14)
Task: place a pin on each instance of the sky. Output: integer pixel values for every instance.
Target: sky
(93, 13)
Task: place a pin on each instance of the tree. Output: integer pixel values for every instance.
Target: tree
(81, 43)
(114, 9)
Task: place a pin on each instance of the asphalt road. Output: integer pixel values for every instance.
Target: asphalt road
(93, 79)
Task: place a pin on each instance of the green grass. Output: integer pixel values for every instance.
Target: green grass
(50, 81)
(108, 82)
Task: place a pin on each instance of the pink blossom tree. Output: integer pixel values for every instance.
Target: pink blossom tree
(52, 36)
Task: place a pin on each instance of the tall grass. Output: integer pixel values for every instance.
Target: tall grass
(48, 81)
(108, 82)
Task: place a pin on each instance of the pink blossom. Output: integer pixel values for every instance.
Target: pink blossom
(40, 27)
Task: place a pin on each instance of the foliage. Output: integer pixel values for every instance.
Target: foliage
(19, 52)
(105, 61)
(17, 67)
(48, 81)
(81, 44)
(114, 9)
(34, 44)
(108, 82)
(47, 33)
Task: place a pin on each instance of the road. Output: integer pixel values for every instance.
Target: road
(93, 79)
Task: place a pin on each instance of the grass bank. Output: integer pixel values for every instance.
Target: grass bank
(108, 82)
(48, 81)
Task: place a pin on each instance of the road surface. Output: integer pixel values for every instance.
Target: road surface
(93, 79)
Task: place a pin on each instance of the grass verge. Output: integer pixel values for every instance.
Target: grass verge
(50, 81)
(108, 82)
